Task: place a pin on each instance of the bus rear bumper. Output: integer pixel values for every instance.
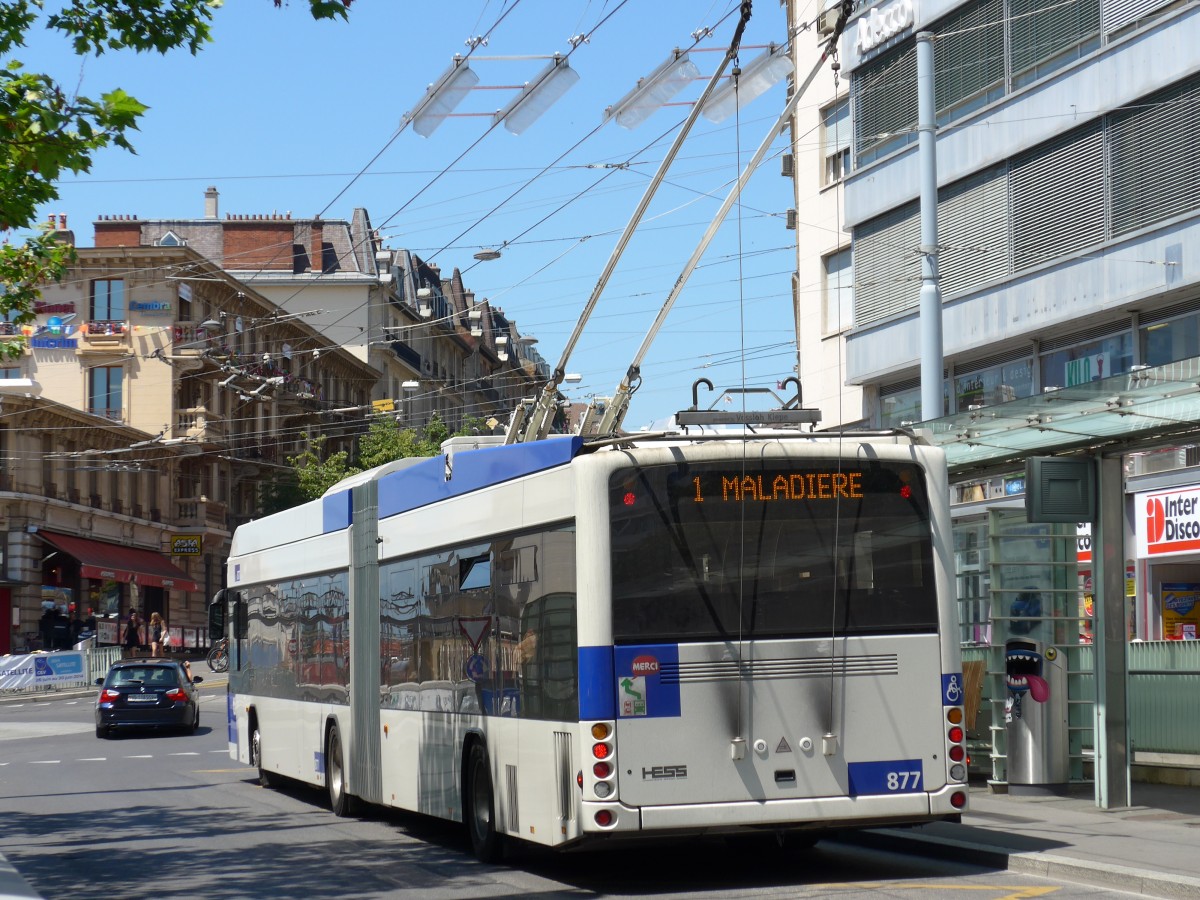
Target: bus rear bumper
(823, 812)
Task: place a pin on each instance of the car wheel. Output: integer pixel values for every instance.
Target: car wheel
(479, 807)
(265, 778)
(101, 732)
(196, 721)
(340, 800)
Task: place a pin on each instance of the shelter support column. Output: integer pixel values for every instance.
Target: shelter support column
(1111, 641)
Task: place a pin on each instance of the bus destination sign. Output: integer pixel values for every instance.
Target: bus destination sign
(735, 488)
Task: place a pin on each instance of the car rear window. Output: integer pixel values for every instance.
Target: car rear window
(144, 675)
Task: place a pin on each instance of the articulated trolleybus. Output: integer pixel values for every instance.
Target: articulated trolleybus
(565, 642)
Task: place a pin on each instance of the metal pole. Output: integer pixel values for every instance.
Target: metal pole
(1110, 640)
(931, 300)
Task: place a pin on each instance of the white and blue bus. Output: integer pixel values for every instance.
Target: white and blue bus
(565, 642)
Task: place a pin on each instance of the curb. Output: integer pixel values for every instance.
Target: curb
(1045, 865)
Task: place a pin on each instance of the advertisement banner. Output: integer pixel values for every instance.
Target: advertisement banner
(1180, 611)
(1167, 523)
(41, 669)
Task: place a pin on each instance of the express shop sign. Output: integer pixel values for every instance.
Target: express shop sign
(1167, 522)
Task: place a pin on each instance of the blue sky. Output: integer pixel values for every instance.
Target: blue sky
(282, 113)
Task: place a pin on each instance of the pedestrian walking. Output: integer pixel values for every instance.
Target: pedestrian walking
(132, 639)
(158, 634)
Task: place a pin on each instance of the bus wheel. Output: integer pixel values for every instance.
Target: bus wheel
(479, 808)
(265, 778)
(340, 800)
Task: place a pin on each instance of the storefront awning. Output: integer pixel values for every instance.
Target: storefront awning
(115, 562)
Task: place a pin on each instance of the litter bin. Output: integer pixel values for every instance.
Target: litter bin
(1036, 717)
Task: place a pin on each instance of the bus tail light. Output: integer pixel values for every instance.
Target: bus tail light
(958, 799)
(605, 818)
(604, 771)
(956, 750)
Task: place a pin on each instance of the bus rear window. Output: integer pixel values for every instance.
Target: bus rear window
(718, 551)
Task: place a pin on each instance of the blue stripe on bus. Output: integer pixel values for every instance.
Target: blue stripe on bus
(336, 512)
(597, 687)
(426, 483)
(642, 692)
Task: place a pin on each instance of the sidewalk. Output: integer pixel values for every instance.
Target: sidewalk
(1149, 848)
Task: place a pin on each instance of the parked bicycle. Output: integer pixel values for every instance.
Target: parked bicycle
(218, 656)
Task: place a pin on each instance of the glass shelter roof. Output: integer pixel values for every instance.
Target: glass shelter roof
(1146, 408)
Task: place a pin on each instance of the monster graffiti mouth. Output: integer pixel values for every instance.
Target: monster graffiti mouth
(1023, 667)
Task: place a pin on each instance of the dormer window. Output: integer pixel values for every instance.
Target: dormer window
(170, 239)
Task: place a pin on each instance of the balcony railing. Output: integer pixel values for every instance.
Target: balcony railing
(107, 412)
(200, 425)
(201, 513)
(105, 332)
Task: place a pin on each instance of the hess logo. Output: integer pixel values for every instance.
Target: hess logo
(645, 665)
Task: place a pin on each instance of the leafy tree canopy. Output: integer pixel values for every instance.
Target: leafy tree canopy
(46, 130)
(385, 441)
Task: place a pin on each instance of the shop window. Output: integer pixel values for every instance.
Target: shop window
(1167, 342)
(993, 385)
(1087, 362)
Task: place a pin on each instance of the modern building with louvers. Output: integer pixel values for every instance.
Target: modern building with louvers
(1068, 251)
(1068, 195)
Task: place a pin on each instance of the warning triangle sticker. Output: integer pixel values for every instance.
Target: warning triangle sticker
(784, 746)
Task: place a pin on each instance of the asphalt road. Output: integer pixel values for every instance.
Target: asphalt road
(158, 816)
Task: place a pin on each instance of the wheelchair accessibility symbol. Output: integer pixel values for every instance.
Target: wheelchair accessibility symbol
(952, 690)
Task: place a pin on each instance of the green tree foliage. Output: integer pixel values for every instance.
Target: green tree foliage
(385, 441)
(46, 130)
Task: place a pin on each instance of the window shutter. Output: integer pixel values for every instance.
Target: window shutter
(1057, 195)
(1153, 149)
(1038, 31)
(1119, 13)
(968, 55)
(973, 232)
(884, 94)
(887, 266)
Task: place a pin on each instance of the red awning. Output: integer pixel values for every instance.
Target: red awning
(116, 562)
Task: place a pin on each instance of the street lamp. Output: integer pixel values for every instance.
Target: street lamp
(760, 75)
(653, 91)
(442, 97)
(538, 95)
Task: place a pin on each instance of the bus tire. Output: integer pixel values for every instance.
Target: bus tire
(265, 778)
(479, 806)
(340, 800)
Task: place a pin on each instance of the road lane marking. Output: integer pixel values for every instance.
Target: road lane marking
(185, 753)
(93, 759)
(142, 756)
(45, 762)
(214, 771)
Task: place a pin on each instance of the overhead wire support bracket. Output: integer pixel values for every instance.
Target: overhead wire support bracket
(536, 425)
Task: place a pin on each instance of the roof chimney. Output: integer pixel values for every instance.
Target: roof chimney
(210, 203)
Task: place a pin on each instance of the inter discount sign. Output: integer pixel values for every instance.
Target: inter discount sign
(1168, 522)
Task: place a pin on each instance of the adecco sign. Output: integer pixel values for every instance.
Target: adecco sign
(1167, 523)
(876, 28)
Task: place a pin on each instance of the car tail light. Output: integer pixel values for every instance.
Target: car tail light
(176, 696)
(107, 696)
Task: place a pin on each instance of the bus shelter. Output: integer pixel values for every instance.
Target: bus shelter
(1034, 569)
